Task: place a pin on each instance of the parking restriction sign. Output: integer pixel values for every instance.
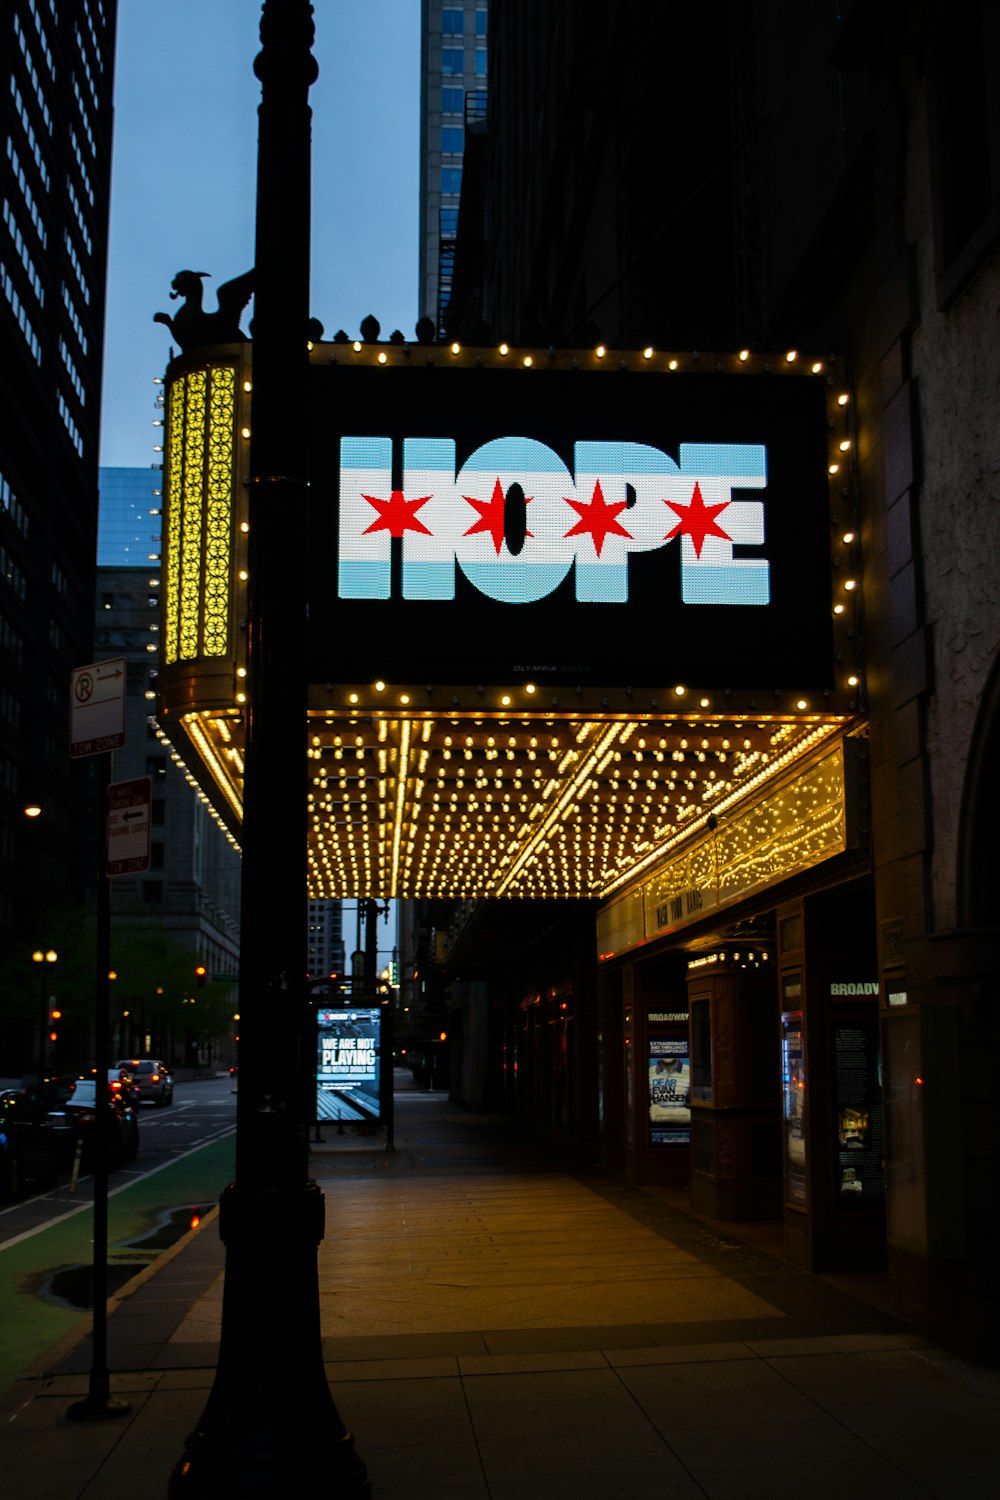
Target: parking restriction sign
(97, 708)
(129, 804)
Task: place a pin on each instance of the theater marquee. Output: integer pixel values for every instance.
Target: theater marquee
(608, 526)
(564, 606)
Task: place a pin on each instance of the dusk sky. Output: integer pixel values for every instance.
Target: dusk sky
(184, 178)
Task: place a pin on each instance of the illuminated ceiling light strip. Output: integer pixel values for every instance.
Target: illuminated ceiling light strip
(183, 768)
(220, 772)
(402, 768)
(571, 793)
(739, 794)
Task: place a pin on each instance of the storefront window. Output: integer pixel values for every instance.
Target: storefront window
(793, 1084)
(701, 1050)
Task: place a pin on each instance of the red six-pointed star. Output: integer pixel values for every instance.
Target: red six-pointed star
(491, 515)
(397, 514)
(598, 518)
(697, 520)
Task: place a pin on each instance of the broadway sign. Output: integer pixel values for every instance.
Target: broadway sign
(490, 525)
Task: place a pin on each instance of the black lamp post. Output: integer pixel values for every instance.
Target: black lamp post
(42, 957)
(270, 1427)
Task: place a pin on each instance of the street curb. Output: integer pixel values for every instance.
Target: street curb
(44, 1368)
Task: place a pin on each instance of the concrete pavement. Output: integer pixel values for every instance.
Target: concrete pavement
(496, 1328)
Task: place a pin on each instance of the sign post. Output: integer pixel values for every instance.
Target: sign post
(271, 1414)
(97, 727)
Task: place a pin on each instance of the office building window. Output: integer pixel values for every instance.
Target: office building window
(452, 61)
(74, 318)
(452, 23)
(75, 263)
(32, 71)
(10, 708)
(17, 307)
(452, 139)
(451, 179)
(84, 120)
(12, 575)
(68, 422)
(452, 100)
(22, 250)
(36, 150)
(11, 642)
(15, 510)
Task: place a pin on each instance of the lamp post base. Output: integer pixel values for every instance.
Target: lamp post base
(212, 1471)
(270, 1426)
(98, 1405)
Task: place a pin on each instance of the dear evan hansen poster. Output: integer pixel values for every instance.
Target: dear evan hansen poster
(484, 526)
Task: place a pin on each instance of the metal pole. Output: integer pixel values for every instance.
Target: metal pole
(388, 1048)
(373, 997)
(270, 1427)
(99, 1404)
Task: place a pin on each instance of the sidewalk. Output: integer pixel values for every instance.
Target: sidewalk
(494, 1328)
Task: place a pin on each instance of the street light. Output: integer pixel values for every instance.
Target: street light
(43, 956)
(270, 1424)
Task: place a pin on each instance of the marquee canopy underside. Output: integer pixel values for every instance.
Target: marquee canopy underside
(468, 805)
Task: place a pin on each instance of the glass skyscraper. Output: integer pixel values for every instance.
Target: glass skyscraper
(56, 88)
(128, 530)
(452, 93)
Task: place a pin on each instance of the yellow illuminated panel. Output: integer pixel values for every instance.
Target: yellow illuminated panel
(199, 514)
(219, 510)
(172, 522)
(192, 518)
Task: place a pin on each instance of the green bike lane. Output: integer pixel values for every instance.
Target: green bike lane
(140, 1228)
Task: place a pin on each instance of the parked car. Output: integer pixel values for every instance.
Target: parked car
(152, 1078)
(70, 1107)
(28, 1144)
(123, 1123)
(120, 1081)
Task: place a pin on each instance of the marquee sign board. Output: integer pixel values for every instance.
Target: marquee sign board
(559, 525)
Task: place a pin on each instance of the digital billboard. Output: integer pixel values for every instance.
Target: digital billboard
(347, 1064)
(485, 525)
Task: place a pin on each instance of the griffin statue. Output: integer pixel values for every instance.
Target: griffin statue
(191, 326)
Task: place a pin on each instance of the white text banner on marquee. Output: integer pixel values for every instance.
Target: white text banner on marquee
(515, 520)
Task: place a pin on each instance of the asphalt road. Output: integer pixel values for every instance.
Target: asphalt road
(201, 1112)
(186, 1157)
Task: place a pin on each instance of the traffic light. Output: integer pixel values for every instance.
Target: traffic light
(55, 1016)
(200, 974)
